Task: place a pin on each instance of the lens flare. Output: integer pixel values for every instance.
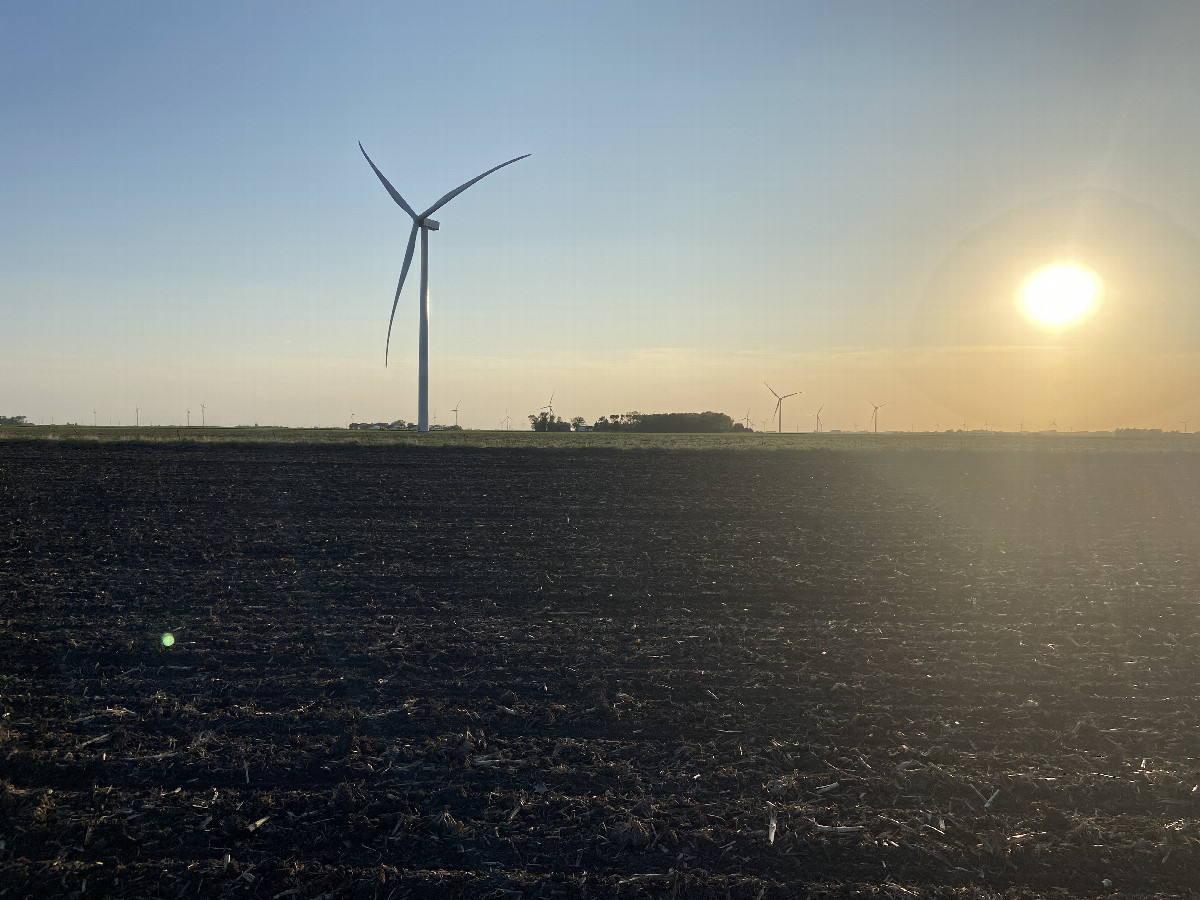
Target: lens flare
(1060, 295)
(168, 639)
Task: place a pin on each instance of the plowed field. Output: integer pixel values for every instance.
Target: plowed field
(488, 673)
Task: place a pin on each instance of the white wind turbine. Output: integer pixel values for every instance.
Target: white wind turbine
(779, 405)
(424, 224)
(818, 415)
(875, 408)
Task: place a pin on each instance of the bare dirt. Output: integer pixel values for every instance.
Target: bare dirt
(405, 672)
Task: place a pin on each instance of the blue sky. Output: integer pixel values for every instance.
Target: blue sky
(719, 194)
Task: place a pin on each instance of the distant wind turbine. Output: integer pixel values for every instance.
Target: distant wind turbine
(455, 411)
(189, 418)
(424, 224)
(875, 408)
(818, 414)
(550, 405)
(746, 418)
(202, 419)
(506, 421)
(779, 405)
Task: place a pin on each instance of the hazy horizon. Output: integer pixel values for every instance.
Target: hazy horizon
(838, 199)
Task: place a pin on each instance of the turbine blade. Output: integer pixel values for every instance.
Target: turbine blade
(408, 255)
(772, 390)
(458, 190)
(387, 184)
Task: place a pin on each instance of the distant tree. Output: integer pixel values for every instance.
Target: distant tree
(13, 420)
(578, 422)
(543, 421)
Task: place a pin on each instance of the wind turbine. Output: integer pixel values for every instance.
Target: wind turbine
(875, 408)
(746, 418)
(455, 411)
(137, 417)
(424, 224)
(202, 419)
(818, 414)
(189, 418)
(550, 405)
(779, 405)
(506, 421)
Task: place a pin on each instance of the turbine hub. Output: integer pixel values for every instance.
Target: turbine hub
(430, 224)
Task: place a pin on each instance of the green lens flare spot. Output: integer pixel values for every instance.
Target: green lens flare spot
(168, 639)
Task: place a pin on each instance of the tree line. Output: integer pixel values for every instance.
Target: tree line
(645, 423)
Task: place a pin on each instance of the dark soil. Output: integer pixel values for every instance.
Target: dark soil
(476, 673)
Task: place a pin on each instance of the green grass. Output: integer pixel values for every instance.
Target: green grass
(611, 441)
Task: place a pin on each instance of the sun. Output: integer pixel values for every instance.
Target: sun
(1060, 295)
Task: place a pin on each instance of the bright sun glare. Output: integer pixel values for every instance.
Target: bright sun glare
(1060, 295)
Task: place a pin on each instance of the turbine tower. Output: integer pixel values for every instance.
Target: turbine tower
(424, 224)
(779, 405)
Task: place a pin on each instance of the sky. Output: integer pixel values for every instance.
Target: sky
(841, 199)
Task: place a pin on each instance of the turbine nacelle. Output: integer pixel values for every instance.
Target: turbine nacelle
(430, 224)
